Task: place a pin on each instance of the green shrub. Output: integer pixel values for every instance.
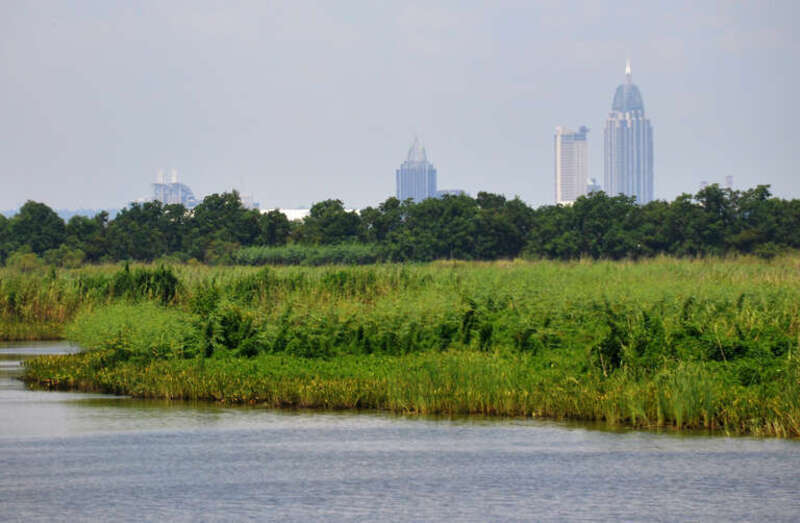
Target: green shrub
(143, 331)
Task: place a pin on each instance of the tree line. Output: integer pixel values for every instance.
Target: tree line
(715, 221)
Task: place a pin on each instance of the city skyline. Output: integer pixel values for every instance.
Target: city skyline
(296, 103)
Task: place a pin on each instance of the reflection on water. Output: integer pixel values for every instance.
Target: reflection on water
(73, 455)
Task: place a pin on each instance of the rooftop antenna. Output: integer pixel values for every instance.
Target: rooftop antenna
(628, 70)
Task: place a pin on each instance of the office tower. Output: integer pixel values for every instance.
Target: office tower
(172, 192)
(628, 145)
(416, 177)
(572, 164)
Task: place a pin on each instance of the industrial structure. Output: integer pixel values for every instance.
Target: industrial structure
(172, 192)
(628, 135)
(572, 164)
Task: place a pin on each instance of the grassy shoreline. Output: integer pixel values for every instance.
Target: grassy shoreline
(683, 344)
(684, 398)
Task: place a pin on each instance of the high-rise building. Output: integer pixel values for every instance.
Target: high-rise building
(572, 164)
(172, 192)
(416, 177)
(628, 145)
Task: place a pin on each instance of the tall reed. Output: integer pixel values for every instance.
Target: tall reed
(662, 343)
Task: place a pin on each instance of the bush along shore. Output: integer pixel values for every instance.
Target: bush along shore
(703, 344)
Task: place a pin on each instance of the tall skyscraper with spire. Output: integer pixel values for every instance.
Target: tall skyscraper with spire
(416, 177)
(628, 139)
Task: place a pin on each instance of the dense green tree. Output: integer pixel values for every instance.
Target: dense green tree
(176, 224)
(435, 228)
(788, 222)
(550, 235)
(756, 221)
(682, 227)
(4, 245)
(88, 235)
(329, 223)
(37, 226)
(223, 218)
(597, 226)
(274, 228)
(501, 227)
(607, 226)
(520, 215)
(134, 233)
(80, 229)
(379, 223)
(714, 221)
(490, 201)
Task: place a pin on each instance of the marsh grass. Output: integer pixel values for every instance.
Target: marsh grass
(700, 344)
(342, 254)
(452, 383)
(38, 304)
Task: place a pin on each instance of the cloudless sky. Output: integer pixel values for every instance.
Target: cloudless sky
(295, 102)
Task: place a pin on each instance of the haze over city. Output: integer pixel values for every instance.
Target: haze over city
(303, 101)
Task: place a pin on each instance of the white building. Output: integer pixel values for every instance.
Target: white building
(572, 164)
(291, 214)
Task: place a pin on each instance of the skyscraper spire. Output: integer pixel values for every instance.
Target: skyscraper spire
(628, 144)
(416, 153)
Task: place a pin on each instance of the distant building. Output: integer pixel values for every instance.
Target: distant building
(450, 192)
(628, 145)
(729, 182)
(172, 192)
(249, 202)
(299, 214)
(593, 186)
(291, 214)
(416, 177)
(572, 164)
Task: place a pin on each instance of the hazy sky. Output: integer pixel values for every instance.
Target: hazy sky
(295, 102)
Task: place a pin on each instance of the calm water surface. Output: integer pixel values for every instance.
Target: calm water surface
(73, 456)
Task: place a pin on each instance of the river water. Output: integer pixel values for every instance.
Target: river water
(74, 456)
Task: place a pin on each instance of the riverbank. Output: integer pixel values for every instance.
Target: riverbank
(452, 383)
(709, 344)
